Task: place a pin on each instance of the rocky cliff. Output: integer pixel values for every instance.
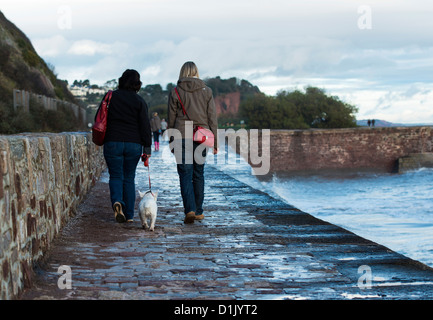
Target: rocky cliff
(228, 103)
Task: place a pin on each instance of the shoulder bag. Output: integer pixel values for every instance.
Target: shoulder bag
(100, 126)
(200, 134)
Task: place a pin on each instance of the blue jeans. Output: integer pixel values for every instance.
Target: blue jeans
(122, 159)
(191, 178)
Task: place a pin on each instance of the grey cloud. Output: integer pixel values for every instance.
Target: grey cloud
(275, 43)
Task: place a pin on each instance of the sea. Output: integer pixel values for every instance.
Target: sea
(394, 210)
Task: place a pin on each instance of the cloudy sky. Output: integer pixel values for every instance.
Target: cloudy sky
(377, 55)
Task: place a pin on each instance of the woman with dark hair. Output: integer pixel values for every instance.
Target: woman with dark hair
(200, 108)
(128, 136)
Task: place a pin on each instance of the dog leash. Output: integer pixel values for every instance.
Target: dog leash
(150, 185)
(146, 161)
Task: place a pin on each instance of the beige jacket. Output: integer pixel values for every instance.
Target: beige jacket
(155, 123)
(199, 105)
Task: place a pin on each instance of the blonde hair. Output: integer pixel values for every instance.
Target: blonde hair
(188, 70)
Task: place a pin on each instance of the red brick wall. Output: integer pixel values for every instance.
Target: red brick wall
(372, 149)
(358, 148)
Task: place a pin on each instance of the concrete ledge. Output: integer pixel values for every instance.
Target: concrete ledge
(415, 161)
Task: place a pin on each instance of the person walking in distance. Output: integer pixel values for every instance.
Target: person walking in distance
(200, 108)
(128, 136)
(163, 128)
(155, 125)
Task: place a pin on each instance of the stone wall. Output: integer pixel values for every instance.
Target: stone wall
(42, 179)
(375, 149)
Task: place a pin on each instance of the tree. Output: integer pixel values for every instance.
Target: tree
(154, 95)
(170, 86)
(112, 84)
(297, 110)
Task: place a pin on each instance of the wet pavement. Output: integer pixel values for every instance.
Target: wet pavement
(250, 246)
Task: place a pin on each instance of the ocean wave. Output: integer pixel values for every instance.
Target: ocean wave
(395, 210)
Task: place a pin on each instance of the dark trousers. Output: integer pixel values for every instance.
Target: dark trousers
(191, 178)
(155, 136)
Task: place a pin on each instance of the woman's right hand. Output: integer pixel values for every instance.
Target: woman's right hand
(215, 150)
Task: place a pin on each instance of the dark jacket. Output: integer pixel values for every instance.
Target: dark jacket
(128, 119)
(199, 105)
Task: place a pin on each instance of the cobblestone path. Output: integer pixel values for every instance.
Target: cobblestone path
(249, 246)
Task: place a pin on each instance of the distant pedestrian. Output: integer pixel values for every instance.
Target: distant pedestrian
(128, 136)
(369, 122)
(200, 109)
(373, 122)
(163, 127)
(155, 124)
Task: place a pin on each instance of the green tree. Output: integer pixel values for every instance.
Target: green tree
(297, 110)
(170, 86)
(112, 84)
(256, 111)
(154, 95)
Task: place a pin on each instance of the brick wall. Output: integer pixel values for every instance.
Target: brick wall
(341, 149)
(42, 179)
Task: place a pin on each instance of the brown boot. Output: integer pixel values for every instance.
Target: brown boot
(118, 213)
(199, 217)
(189, 217)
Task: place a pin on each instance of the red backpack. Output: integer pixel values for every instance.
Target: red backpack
(100, 126)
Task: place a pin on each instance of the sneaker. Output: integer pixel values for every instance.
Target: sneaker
(118, 213)
(189, 217)
(199, 217)
(130, 220)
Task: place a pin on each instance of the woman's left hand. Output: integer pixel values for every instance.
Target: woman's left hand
(145, 159)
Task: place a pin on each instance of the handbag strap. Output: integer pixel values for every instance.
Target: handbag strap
(183, 108)
(108, 97)
(110, 94)
(107, 100)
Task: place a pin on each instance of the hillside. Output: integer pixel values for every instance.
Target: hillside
(229, 93)
(228, 103)
(22, 68)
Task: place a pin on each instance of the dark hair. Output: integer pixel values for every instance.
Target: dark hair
(130, 80)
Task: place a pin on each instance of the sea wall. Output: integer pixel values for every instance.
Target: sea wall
(376, 149)
(43, 177)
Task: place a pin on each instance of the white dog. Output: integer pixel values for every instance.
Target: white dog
(147, 209)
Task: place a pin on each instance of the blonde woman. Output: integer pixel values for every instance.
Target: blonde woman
(199, 105)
